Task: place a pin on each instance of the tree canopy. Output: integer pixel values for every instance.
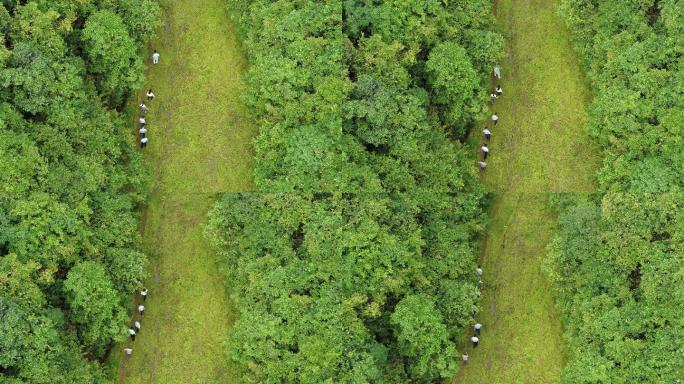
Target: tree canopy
(361, 231)
(70, 185)
(617, 259)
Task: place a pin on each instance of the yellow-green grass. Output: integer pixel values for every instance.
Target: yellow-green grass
(539, 147)
(521, 340)
(199, 146)
(539, 144)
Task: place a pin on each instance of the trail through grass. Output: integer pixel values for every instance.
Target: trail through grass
(540, 144)
(539, 147)
(199, 136)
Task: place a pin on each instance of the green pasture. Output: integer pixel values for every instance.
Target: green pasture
(199, 146)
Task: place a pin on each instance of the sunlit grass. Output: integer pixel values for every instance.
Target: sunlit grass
(540, 144)
(538, 147)
(199, 146)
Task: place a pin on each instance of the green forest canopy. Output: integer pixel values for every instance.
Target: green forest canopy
(618, 258)
(70, 184)
(354, 261)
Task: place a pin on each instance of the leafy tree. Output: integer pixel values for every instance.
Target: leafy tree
(94, 306)
(37, 83)
(32, 350)
(112, 55)
(423, 338)
(455, 83)
(126, 268)
(21, 165)
(17, 281)
(142, 18)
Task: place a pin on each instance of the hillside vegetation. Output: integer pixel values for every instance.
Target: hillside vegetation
(355, 263)
(617, 260)
(69, 184)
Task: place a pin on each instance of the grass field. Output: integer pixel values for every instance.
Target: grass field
(539, 144)
(539, 147)
(199, 146)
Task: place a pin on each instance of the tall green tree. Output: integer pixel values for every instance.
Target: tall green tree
(616, 260)
(94, 306)
(423, 338)
(455, 84)
(112, 55)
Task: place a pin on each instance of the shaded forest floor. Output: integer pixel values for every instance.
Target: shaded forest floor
(199, 146)
(539, 147)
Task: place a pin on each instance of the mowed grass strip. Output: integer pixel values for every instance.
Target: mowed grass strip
(199, 146)
(539, 147)
(200, 131)
(540, 144)
(521, 340)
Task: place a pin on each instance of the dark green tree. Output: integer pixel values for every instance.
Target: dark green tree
(423, 339)
(94, 306)
(455, 84)
(112, 55)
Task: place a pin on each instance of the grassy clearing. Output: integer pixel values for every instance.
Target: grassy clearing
(521, 340)
(539, 147)
(199, 146)
(540, 144)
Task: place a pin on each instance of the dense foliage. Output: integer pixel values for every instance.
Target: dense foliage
(618, 259)
(69, 183)
(354, 262)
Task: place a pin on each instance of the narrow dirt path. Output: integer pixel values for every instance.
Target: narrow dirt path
(538, 148)
(199, 136)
